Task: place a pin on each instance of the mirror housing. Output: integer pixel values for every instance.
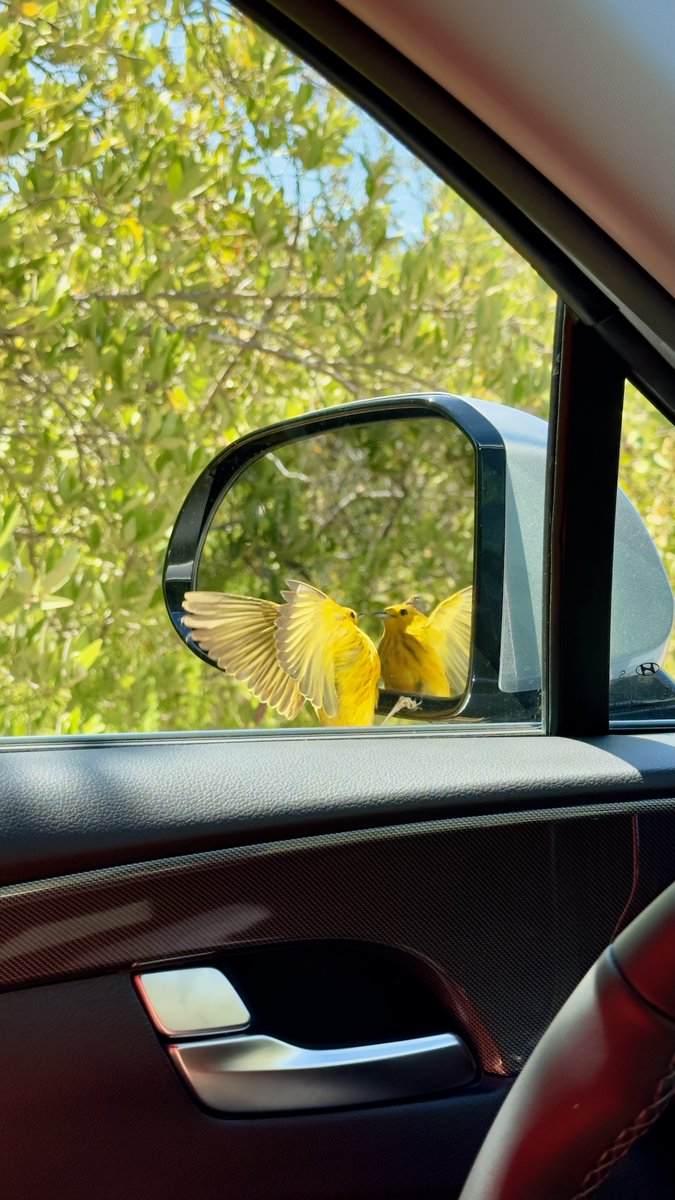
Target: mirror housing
(510, 503)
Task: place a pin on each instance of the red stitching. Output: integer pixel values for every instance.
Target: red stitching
(628, 1136)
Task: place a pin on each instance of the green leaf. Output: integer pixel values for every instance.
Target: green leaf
(10, 520)
(129, 530)
(9, 603)
(174, 177)
(50, 602)
(23, 581)
(54, 579)
(87, 656)
(276, 281)
(155, 283)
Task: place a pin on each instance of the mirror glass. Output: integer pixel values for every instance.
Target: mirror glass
(378, 516)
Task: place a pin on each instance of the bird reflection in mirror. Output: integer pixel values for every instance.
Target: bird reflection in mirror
(308, 648)
(427, 653)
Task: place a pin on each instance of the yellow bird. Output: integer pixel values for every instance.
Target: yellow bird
(308, 648)
(428, 654)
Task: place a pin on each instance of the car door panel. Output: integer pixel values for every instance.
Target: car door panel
(434, 890)
(83, 1068)
(495, 910)
(70, 806)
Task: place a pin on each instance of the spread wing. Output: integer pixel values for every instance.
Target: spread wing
(310, 629)
(239, 632)
(449, 628)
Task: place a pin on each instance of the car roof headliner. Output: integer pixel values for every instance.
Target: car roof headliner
(585, 91)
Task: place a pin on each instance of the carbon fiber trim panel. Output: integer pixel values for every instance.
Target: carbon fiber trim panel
(506, 912)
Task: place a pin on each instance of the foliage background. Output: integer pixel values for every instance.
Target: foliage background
(198, 236)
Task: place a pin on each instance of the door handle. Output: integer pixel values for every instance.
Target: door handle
(257, 1074)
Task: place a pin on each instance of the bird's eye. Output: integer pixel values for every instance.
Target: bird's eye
(404, 612)
(353, 616)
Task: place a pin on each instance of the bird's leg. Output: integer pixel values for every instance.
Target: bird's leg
(402, 702)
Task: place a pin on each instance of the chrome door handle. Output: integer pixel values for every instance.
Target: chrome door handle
(263, 1074)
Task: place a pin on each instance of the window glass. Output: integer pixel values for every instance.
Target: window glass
(642, 645)
(198, 236)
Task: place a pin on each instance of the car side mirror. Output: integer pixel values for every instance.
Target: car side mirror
(387, 500)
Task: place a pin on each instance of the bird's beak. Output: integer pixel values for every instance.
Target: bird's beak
(384, 615)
